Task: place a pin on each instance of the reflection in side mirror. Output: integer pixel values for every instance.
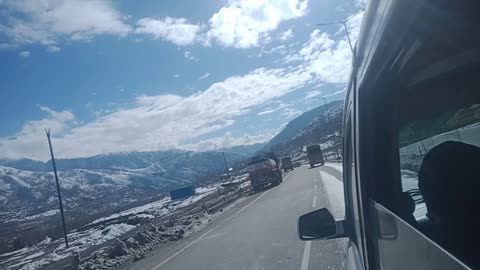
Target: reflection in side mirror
(318, 224)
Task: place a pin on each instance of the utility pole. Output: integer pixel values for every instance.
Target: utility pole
(47, 132)
(345, 28)
(226, 166)
(326, 109)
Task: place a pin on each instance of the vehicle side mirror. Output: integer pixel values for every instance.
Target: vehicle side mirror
(319, 224)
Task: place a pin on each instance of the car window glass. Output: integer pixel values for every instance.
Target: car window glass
(460, 124)
(439, 152)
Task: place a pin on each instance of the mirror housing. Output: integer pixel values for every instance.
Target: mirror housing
(319, 224)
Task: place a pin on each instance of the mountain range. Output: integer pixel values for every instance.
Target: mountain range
(104, 181)
(320, 125)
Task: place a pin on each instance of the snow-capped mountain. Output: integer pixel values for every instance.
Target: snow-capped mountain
(102, 182)
(315, 126)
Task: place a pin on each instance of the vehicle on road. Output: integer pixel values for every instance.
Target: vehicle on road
(411, 140)
(287, 164)
(315, 155)
(263, 172)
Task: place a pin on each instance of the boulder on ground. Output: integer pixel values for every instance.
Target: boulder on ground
(131, 243)
(117, 249)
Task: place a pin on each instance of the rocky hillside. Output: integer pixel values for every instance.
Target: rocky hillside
(101, 182)
(321, 125)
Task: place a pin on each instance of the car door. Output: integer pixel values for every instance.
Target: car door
(355, 250)
(427, 69)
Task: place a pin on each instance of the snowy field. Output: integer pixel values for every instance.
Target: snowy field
(105, 229)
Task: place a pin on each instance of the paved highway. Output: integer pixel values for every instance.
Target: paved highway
(261, 233)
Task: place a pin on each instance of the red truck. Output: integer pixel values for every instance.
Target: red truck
(264, 172)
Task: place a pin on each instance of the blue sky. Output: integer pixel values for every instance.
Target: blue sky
(109, 76)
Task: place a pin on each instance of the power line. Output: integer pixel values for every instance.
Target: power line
(344, 23)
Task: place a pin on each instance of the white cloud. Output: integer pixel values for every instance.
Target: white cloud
(361, 3)
(24, 54)
(242, 23)
(272, 109)
(188, 55)
(267, 111)
(327, 58)
(176, 75)
(286, 35)
(228, 140)
(46, 22)
(31, 140)
(335, 93)
(160, 122)
(290, 113)
(176, 30)
(313, 94)
(53, 49)
(281, 49)
(171, 121)
(204, 76)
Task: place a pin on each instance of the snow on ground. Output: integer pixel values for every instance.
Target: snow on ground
(244, 184)
(34, 255)
(156, 206)
(410, 182)
(44, 214)
(107, 228)
(96, 236)
(191, 200)
(337, 166)
(160, 207)
(334, 190)
(240, 178)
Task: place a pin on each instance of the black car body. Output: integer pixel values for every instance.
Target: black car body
(315, 155)
(414, 85)
(287, 164)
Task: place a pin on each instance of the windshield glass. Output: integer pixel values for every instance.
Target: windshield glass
(129, 131)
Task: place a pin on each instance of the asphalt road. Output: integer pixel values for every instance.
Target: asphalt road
(261, 233)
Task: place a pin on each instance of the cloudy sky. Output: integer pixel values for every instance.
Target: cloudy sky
(110, 76)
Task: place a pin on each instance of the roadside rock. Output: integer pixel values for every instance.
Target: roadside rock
(152, 228)
(118, 249)
(138, 257)
(141, 238)
(131, 243)
(168, 224)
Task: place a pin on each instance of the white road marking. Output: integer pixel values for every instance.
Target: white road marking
(209, 231)
(306, 255)
(308, 244)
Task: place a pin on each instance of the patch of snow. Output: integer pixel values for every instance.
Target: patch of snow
(97, 236)
(15, 252)
(44, 214)
(334, 190)
(34, 255)
(240, 178)
(191, 200)
(137, 210)
(145, 216)
(409, 180)
(336, 166)
(52, 257)
(206, 189)
(244, 184)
